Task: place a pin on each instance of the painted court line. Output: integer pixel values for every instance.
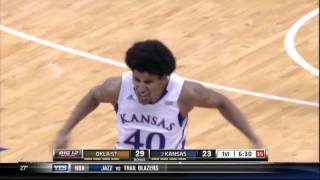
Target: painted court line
(290, 45)
(122, 65)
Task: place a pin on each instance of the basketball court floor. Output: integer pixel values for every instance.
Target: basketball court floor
(263, 55)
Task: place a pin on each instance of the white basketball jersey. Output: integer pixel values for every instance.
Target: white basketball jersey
(151, 126)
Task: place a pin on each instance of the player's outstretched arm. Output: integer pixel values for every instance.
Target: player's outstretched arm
(195, 94)
(106, 92)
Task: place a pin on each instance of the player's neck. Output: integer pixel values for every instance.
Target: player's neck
(162, 92)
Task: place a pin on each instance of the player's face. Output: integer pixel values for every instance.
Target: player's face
(148, 87)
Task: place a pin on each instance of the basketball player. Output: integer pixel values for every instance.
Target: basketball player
(152, 103)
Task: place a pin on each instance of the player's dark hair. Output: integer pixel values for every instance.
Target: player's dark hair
(151, 56)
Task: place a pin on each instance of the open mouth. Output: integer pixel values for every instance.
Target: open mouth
(142, 95)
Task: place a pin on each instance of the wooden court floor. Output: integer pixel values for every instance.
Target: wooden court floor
(233, 43)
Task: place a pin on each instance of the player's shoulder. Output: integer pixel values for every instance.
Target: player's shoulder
(191, 89)
(112, 83)
(108, 91)
(195, 94)
(111, 86)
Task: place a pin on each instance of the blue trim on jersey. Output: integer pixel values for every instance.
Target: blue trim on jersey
(180, 119)
(182, 136)
(116, 107)
(183, 143)
(164, 92)
(3, 149)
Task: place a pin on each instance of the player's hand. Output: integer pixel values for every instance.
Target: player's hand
(61, 141)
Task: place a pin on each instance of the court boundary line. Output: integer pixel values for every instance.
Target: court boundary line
(122, 65)
(290, 45)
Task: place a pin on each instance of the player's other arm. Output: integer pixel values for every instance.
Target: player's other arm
(197, 95)
(104, 93)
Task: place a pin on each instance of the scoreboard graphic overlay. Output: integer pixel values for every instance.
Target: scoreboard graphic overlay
(118, 161)
(161, 155)
(213, 161)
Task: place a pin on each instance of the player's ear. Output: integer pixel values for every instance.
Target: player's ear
(163, 78)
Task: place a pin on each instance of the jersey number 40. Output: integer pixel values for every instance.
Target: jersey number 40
(134, 140)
